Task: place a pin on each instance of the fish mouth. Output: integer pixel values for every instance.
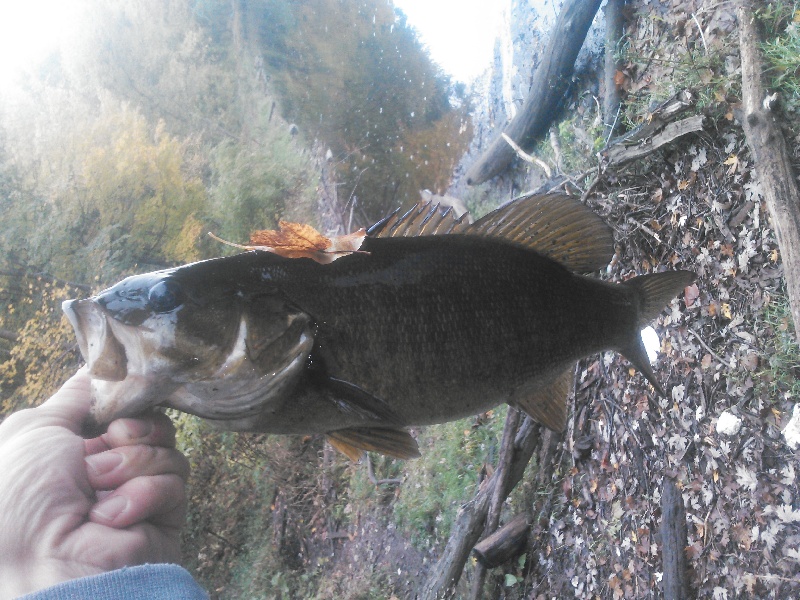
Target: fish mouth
(116, 391)
(104, 355)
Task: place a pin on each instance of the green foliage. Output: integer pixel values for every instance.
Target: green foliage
(446, 475)
(780, 374)
(255, 185)
(781, 49)
(355, 75)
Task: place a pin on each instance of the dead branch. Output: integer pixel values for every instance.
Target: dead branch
(7, 334)
(504, 544)
(611, 100)
(770, 157)
(547, 90)
(499, 493)
(472, 517)
(658, 129)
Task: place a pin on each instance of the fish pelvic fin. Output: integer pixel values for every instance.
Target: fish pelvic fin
(548, 405)
(657, 290)
(355, 441)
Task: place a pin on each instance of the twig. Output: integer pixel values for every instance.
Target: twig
(706, 346)
(527, 157)
(375, 480)
(700, 29)
(644, 228)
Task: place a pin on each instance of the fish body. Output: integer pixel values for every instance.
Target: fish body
(411, 330)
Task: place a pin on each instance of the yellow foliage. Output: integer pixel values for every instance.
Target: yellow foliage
(44, 355)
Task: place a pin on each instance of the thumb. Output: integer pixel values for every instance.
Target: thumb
(69, 406)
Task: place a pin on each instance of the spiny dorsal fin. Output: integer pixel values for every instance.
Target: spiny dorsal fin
(556, 225)
(548, 405)
(425, 218)
(353, 442)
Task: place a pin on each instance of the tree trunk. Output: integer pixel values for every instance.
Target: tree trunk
(611, 101)
(547, 90)
(674, 542)
(770, 157)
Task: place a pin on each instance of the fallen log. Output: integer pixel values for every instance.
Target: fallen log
(470, 521)
(657, 129)
(770, 157)
(549, 84)
(505, 543)
(674, 542)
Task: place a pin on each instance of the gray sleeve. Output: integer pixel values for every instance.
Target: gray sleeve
(145, 582)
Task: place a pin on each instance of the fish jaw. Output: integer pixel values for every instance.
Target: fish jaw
(240, 394)
(104, 355)
(124, 383)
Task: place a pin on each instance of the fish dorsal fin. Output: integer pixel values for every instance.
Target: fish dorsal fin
(353, 442)
(425, 218)
(556, 225)
(548, 404)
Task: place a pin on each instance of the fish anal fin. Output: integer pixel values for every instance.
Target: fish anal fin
(548, 404)
(351, 452)
(353, 442)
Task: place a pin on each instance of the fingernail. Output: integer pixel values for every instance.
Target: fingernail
(110, 509)
(103, 463)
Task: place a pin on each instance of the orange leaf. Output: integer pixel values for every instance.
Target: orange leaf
(296, 240)
(291, 240)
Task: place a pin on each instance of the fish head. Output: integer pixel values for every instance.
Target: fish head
(178, 339)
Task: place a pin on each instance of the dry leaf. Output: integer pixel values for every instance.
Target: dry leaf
(733, 164)
(297, 240)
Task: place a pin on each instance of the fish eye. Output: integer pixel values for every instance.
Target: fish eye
(165, 296)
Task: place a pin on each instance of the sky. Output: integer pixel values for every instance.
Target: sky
(459, 34)
(29, 30)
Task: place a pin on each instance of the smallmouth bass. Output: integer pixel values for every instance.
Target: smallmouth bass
(433, 320)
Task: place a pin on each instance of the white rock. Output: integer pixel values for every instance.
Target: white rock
(792, 430)
(728, 423)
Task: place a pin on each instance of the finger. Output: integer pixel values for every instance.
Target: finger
(67, 408)
(160, 500)
(110, 469)
(152, 429)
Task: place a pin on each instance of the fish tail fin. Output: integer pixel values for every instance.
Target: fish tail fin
(655, 292)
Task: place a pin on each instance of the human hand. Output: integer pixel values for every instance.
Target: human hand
(71, 507)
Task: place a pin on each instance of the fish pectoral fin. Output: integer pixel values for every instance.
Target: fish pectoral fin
(352, 399)
(548, 404)
(355, 441)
